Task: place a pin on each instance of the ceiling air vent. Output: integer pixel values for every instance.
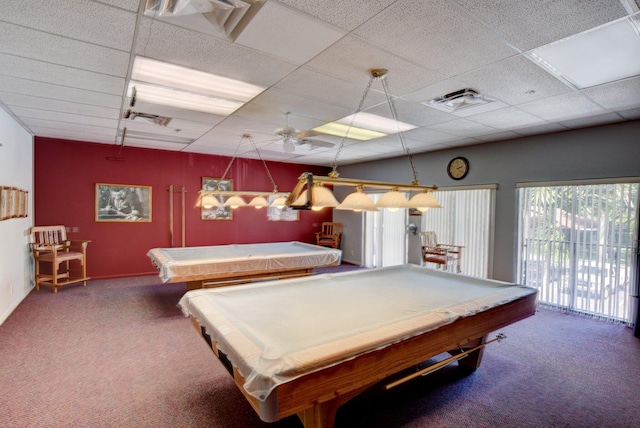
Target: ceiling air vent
(154, 118)
(219, 18)
(464, 102)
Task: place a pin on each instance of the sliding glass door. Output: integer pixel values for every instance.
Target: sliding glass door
(577, 244)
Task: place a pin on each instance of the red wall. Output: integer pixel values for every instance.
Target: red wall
(64, 193)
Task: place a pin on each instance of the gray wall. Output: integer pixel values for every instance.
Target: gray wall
(600, 152)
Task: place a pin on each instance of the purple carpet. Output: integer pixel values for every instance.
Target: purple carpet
(119, 353)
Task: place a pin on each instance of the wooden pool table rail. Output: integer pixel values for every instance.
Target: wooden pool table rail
(316, 396)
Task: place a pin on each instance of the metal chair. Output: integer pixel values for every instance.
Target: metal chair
(65, 261)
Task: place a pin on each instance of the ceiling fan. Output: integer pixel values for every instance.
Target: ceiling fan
(292, 137)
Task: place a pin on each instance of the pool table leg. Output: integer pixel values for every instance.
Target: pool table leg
(321, 415)
(472, 361)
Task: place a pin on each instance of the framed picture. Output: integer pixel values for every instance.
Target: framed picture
(220, 212)
(281, 214)
(123, 203)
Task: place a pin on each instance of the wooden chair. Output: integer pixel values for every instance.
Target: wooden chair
(330, 235)
(445, 256)
(65, 261)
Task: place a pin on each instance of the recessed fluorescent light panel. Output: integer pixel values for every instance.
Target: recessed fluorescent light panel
(364, 126)
(340, 130)
(172, 85)
(601, 55)
(376, 123)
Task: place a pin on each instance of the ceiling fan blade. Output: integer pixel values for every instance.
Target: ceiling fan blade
(314, 144)
(306, 134)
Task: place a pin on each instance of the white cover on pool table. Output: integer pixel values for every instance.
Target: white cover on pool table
(233, 258)
(278, 330)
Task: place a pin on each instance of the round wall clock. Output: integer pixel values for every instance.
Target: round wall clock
(458, 168)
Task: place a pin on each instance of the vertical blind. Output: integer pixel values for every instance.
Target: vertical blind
(385, 236)
(466, 218)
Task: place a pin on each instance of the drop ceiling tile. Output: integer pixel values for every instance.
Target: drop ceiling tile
(31, 113)
(62, 127)
(286, 33)
(351, 58)
(429, 136)
(29, 69)
(19, 100)
(70, 134)
(499, 136)
(199, 51)
(330, 90)
(87, 21)
(544, 128)
(630, 114)
(564, 107)
(56, 92)
(344, 14)
(21, 41)
(527, 24)
(131, 5)
(412, 113)
(583, 122)
(506, 118)
(175, 129)
(428, 33)
(300, 106)
(618, 96)
(464, 128)
(520, 81)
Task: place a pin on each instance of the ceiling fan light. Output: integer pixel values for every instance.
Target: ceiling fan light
(258, 202)
(235, 202)
(423, 201)
(393, 200)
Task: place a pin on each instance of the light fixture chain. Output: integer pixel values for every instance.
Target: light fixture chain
(235, 155)
(394, 114)
(275, 188)
(334, 164)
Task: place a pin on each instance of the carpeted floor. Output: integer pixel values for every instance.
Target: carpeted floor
(119, 353)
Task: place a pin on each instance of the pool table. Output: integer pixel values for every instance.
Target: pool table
(306, 346)
(221, 265)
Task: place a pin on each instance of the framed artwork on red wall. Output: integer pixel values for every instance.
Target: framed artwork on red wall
(281, 214)
(123, 203)
(216, 212)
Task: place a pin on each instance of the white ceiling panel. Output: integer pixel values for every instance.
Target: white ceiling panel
(92, 22)
(528, 24)
(57, 92)
(287, 33)
(31, 113)
(19, 100)
(429, 36)
(65, 65)
(344, 14)
(22, 41)
(563, 107)
(39, 71)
